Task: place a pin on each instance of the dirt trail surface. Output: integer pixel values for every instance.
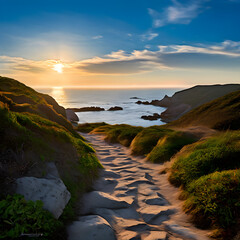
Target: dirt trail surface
(130, 200)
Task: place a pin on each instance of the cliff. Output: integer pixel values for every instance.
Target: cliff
(186, 100)
(221, 113)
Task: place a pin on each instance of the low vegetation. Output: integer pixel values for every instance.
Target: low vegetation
(159, 144)
(169, 145)
(34, 131)
(208, 172)
(123, 133)
(18, 217)
(88, 127)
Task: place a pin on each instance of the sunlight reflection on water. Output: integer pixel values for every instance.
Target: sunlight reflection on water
(59, 95)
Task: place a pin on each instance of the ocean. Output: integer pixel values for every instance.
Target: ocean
(106, 98)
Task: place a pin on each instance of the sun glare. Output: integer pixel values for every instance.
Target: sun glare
(58, 67)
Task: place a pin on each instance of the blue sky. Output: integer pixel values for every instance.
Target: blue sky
(144, 42)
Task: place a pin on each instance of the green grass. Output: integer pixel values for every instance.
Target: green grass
(208, 172)
(217, 153)
(147, 139)
(18, 216)
(123, 133)
(214, 199)
(168, 145)
(88, 127)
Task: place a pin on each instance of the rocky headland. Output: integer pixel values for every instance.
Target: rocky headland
(186, 100)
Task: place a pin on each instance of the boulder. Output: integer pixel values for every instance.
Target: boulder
(92, 227)
(71, 115)
(52, 192)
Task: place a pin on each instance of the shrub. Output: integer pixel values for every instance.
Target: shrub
(147, 139)
(215, 198)
(168, 145)
(217, 153)
(19, 216)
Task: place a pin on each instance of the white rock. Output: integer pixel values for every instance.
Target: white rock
(97, 199)
(90, 227)
(52, 192)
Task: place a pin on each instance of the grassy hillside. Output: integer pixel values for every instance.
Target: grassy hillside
(34, 131)
(201, 94)
(222, 113)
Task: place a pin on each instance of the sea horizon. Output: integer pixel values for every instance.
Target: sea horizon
(106, 98)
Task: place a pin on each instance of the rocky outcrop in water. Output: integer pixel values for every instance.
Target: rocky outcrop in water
(87, 109)
(153, 117)
(116, 108)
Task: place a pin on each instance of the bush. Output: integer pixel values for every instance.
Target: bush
(19, 216)
(215, 198)
(147, 139)
(167, 146)
(217, 153)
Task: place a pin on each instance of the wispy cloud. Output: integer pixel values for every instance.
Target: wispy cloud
(97, 37)
(225, 55)
(149, 36)
(177, 13)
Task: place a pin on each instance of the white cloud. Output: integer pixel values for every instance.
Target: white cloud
(177, 13)
(97, 37)
(225, 55)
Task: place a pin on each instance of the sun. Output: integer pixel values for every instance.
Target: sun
(58, 67)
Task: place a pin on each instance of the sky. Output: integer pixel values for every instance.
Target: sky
(120, 43)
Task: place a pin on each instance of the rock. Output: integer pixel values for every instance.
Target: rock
(71, 115)
(116, 108)
(92, 227)
(87, 109)
(97, 199)
(135, 98)
(51, 171)
(143, 102)
(153, 117)
(52, 192)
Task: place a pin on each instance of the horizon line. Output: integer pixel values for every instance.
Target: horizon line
(111, 86)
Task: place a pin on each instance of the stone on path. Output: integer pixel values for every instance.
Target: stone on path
(91, 227)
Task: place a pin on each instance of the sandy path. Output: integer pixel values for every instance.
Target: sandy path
(134, 199)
